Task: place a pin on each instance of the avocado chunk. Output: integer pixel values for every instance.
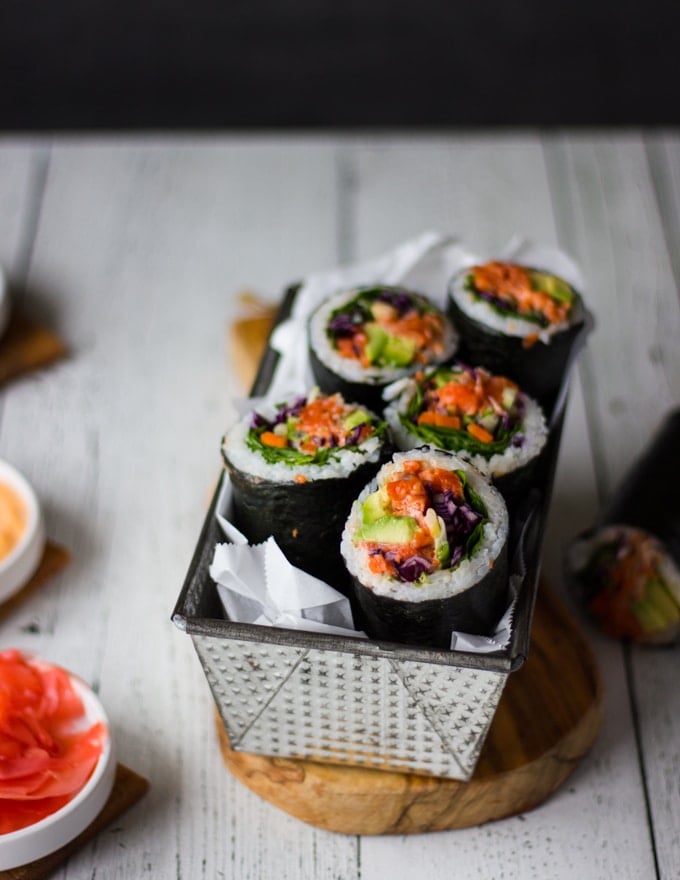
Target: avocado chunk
(353, 420)
(389, 530)
(374, 508)
(377, 338)
(399, 351)
(553, 286)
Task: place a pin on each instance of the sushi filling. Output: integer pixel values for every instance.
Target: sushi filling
(629, 583)
(386, 327)
(421, 520)
(518, 292)
(465, 408)
(312, 430)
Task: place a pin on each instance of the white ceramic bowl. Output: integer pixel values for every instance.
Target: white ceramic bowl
(20, 564)
(5, 305)
(51, 833)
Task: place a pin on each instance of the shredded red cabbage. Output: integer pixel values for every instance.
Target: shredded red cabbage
(346, 323)
(459, 518)
(398, 299)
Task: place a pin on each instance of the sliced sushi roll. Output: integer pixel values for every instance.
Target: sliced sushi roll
(486, 419)
(518, 321)
(295, 469)
(426, 545)
(361, 340)
(629, 583)
(626, 568)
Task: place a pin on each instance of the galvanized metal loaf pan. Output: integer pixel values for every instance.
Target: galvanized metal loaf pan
(359, 702)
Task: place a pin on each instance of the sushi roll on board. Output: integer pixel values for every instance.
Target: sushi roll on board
(485, 419)
(426, 545)
(626, 569)
(295, 469)
(361, 340)
(518, 321)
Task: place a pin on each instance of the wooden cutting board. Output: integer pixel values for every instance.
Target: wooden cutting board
(547, 720)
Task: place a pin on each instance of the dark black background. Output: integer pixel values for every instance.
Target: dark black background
(87, 64)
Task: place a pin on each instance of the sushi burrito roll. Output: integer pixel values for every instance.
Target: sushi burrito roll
(484, 418)
(361, 340)
(426, 546)
(626, 568)
(518, 321)
(295, 469)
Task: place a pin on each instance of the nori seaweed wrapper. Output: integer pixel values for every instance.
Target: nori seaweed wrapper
(539, 369)
(306, 519)
(474, 610)
(649, 495)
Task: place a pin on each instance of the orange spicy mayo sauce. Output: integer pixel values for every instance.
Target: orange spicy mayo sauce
(13, 518)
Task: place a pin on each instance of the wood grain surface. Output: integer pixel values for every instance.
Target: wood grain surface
(133, 250)
(54, 559)
(548, 718)
(128, 788)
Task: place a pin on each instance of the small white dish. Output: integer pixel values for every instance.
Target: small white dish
(51, 833)
(23, 560)
(5, 304)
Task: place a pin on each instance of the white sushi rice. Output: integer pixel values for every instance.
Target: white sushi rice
(351, 370)
(481, 311)
(444, 583)
(533, 429)
(250, 462)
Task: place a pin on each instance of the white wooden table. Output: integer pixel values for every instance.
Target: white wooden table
(134, 249)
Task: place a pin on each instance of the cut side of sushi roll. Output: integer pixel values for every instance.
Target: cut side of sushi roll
(628, 582)
(426, 545)
(518, 321)
(295, 469)
(363, 339)
(484, 418)
(626, 568)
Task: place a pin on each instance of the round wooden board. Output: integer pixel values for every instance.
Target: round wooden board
(548, 717)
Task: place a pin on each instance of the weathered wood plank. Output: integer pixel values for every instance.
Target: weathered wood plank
(22, 170)
(136, 248)
(627, 245)
(486, 190)
(141, 249)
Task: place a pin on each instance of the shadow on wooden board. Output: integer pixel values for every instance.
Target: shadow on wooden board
(88, 64)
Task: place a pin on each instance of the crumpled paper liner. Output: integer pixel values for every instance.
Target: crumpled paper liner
(257, 584)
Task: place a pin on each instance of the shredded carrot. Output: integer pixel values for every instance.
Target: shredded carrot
(439, 420)
(460, 396)
(479, 433)
(299, 478)
(513, 283)
(530, 340)
(269, 438)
